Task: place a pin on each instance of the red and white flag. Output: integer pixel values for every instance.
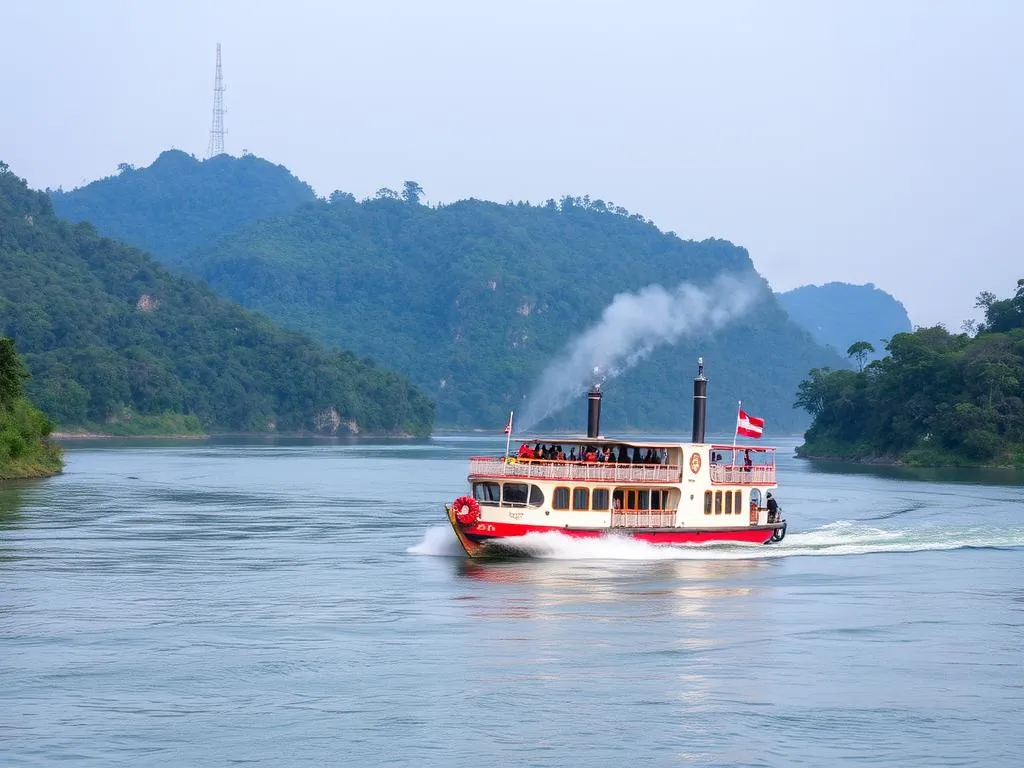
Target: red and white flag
(508, 427)
(749, 426)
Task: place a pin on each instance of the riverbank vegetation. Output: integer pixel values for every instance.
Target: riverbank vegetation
(936, 399)
(25, 447)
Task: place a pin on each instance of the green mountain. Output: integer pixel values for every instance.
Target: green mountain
(936, 399)
(840, 314)
(112, 339)
(179, 202)
(473, 300)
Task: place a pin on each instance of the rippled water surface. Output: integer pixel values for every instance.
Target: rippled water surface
(299, 603)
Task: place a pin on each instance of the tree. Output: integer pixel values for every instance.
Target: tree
(1005, 314)
(12, 373)
(412, 192)
(812, 392)
(859, 351)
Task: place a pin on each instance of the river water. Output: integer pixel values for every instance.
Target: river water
(301, 603)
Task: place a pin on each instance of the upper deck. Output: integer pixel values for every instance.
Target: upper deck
(726, 466)
(541, 469)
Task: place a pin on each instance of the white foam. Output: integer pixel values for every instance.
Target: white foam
(440, 541)
(838, 538)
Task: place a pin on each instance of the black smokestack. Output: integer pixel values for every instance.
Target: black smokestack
(594, 404)
(594, 411)
(700, 403)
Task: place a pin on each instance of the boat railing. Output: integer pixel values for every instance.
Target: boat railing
(644, 518)
(734, 474)
(538, 469)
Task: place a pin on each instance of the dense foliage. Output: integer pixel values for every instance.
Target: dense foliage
(112, 338)
(840, 314)
(472, 300)
(180, 202)
(937, 398)
(25, 450)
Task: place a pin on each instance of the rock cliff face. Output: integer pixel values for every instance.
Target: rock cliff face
(330, 422)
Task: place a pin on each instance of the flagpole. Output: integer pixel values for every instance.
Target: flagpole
(508, 434)
(736, 430)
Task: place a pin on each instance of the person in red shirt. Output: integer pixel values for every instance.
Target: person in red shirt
(525, 451)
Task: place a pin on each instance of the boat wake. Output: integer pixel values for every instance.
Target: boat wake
(838, 538)
(438, 541)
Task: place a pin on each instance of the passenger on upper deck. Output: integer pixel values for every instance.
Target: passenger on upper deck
(525, 452)
(748, 463)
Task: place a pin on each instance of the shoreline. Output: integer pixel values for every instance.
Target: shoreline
(891, 461)
(65, 436)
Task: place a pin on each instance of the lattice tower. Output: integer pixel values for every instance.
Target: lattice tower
(217, 128)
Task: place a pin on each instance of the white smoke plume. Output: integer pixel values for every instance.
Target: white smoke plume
(630, 328)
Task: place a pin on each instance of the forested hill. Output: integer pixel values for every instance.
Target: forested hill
(180, 202)
(472, 300)
(841, 314)
(112, 339)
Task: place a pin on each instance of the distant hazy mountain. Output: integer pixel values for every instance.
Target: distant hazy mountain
(839, 314)
(180, 202)
(110, 337)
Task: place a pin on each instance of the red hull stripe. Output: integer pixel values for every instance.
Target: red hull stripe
(484, 531)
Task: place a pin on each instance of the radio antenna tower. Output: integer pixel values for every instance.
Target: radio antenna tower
(217, 128)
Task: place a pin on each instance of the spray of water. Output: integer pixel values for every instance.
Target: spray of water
(630, 328)
(834, 539)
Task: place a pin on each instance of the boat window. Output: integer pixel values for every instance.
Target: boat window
(645, 499)
(516, 493)
(536, 496)
(487, 492)
(707, 502)
(599, 498)
(718, 502)
(561, 500)
(581, 498)
(630, 499)
(728, 502)
(656, 500)
(617, 499)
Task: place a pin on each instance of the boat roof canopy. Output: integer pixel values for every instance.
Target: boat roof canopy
(613, 441)
(584, 440)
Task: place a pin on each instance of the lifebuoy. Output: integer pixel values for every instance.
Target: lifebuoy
(467, 510)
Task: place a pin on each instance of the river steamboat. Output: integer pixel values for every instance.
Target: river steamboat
(659, 492)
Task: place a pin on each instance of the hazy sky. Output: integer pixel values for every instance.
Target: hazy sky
(856, 141)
